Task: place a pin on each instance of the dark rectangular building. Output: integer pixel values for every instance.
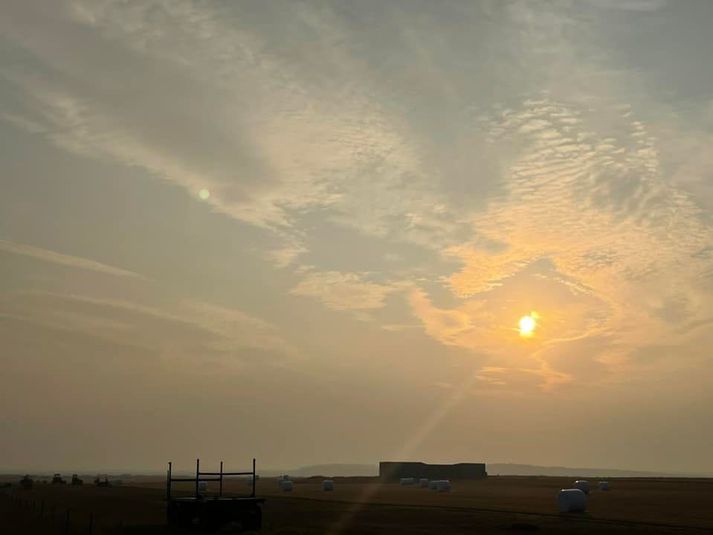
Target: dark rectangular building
(393, 471)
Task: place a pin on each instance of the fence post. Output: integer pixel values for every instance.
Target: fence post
(220, 489)
(168, 481)
(253, 493)
(66, 523)
(91, 523)
(198, 475)
(42, 508)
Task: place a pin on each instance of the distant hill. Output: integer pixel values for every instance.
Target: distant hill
(508, 469)
(494, 469)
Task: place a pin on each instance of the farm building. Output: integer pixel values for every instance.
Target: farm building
(394, 471)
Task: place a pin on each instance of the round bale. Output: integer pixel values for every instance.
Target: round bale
(603, 485)
(286, 485)
(327, 485)
(443, 485)
(582, 484)
(572, 501)
(423, 482)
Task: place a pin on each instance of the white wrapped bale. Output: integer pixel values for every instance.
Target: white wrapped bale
(572, 501)
(406, 481)
(582, 484)
(423, 482)
(327, 485)
(433, 484)
(443, 485)
(286, 485)
(603, 485)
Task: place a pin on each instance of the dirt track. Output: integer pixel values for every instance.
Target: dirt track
(496, 505)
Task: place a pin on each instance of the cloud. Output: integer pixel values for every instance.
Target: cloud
(552, 183)
(226, 111)
(285, 256)
(522, 379)
(343, 291)
(630, 5)
(186, 329)
(53, 257)
(589, 217)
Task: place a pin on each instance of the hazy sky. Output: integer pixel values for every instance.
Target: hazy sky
(306, 232)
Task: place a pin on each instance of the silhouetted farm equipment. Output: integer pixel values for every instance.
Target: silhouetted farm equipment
(26, 482)
(57, 480)
(76, 482)
(99, 482)
(212, 512)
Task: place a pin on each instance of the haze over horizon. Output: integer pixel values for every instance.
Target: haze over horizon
(331, 231)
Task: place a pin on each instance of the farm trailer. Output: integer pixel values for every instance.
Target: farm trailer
(212, 512)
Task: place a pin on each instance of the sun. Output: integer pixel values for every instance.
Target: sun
(204, 194)
(528, 324)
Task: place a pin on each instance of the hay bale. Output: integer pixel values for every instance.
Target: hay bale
(327, 485)
(603, 485)
(423, 482)
(286, 485)
(406, 481)
(443, 485)
(572, 501)
(582, 484)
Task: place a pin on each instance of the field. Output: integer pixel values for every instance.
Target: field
(362, 505)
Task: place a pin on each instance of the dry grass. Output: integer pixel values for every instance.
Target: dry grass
(495, 505)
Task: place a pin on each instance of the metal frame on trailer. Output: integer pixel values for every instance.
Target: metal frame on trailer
(199, 477)
(211, 511)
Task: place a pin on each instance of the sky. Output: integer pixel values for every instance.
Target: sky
(307, 231)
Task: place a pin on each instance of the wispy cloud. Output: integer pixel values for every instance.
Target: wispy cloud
(343, 291)
(296, 147)
(630, 5)
(564, 190)
(186, 329)
(54, 257)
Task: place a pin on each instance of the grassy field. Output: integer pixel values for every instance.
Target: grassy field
(495, 505)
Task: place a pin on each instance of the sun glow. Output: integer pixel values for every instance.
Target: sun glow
(528, 324)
